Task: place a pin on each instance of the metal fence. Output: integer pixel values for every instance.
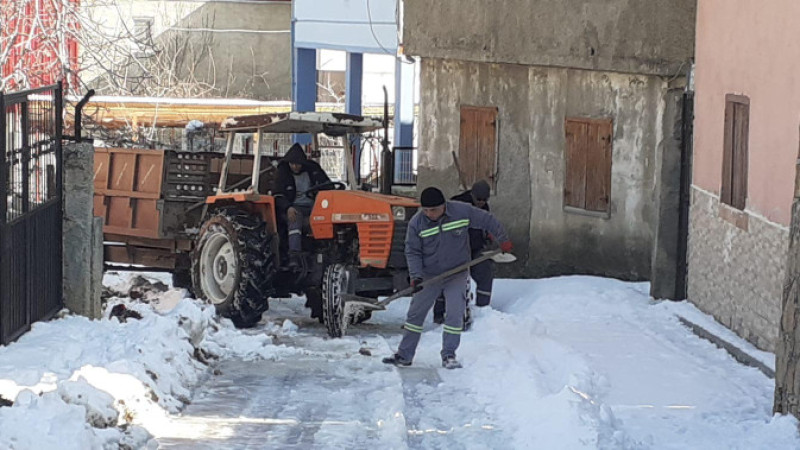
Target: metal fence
(405, 165)
(30, 208)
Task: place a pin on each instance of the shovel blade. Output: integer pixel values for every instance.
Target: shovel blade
(357, 301)
(504, 258)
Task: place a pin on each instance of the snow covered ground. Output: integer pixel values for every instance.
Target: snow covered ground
(573, 362)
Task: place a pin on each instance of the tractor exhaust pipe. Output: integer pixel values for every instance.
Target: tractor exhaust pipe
(78, 109)
(387, 159)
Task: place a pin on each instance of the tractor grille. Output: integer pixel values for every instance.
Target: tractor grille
(374, 241)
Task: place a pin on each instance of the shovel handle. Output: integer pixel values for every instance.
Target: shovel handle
(412, 290)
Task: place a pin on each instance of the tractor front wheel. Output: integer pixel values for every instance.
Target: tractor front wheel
(233, 265)
(337, 279)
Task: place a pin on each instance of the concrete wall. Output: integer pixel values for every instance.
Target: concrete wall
(533, 103)
(251, 54)
(83, 241)
(642, 36)
(250, 42)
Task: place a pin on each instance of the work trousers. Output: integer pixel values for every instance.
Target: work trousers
(452, 289)
(296, 227)
(483, 274)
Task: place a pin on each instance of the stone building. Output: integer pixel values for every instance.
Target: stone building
(572, 110)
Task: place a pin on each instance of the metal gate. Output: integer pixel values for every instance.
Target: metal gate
(30, 209)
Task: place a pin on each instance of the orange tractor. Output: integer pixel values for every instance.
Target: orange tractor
(353, 244)
(210, 220)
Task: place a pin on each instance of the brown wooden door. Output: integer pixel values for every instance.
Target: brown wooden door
(587, 184)
(477, 147)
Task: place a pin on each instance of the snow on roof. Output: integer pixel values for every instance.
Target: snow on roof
(182, 101)
(334, 124)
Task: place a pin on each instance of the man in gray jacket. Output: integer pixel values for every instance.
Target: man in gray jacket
(437, 241)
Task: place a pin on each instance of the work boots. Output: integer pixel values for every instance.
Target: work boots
(397, 360)
(296, 261)
(450, 362)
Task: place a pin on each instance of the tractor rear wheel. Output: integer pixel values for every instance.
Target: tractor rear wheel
(233, 265)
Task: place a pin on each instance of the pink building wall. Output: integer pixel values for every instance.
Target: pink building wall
(752, 48)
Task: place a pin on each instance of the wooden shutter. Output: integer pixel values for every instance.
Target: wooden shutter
(575, 181)
(477, 145)
(587, 184)
(735, 153)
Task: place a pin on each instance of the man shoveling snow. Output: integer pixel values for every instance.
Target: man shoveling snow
(438, 241)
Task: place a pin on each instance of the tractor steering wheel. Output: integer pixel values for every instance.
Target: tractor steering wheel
(337, 186)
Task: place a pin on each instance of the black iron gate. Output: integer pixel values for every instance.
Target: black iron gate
(30, 209)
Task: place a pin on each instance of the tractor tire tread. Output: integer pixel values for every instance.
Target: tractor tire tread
(256, 262)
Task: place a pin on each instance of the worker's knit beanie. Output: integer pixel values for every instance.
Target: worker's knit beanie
(431, 197)
(481, 190)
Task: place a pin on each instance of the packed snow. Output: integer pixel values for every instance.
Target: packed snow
(572, 362)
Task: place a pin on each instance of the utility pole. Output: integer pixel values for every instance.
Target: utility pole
(787, 353)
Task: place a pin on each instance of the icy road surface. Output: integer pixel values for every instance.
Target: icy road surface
(574, 362)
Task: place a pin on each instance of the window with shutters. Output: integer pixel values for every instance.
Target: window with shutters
(587, 184)
(477, 145)
(735, 151)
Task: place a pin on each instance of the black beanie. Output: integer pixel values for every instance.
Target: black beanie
(295, 154)
(431, 197)
(481, 190)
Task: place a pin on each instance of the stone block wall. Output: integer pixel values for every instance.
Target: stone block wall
(737, 262)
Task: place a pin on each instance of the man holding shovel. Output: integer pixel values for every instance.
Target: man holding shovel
(437, 241)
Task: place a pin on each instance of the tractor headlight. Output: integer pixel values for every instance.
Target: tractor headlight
(399, 212)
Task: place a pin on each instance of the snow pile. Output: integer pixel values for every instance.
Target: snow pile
(586, 362)
(571, 362)
(80, 383)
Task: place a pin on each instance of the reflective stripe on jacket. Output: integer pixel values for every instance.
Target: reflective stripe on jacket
(434, 247)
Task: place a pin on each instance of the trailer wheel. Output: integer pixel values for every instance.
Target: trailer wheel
(336, 280)
(233, 265)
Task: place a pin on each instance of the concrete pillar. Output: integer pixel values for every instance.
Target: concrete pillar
(83, 244)
(352, 104)
(304, 84)
(403, 115)
(353, 84)
(667, 236)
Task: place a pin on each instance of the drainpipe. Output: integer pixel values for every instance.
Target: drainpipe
(687, 133)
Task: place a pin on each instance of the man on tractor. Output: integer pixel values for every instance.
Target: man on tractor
(297, 179)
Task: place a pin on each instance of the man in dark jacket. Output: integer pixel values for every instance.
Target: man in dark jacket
(436, 242)
(294, 197)
(482, 273)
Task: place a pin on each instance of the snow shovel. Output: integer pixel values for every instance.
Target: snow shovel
(354, 303)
